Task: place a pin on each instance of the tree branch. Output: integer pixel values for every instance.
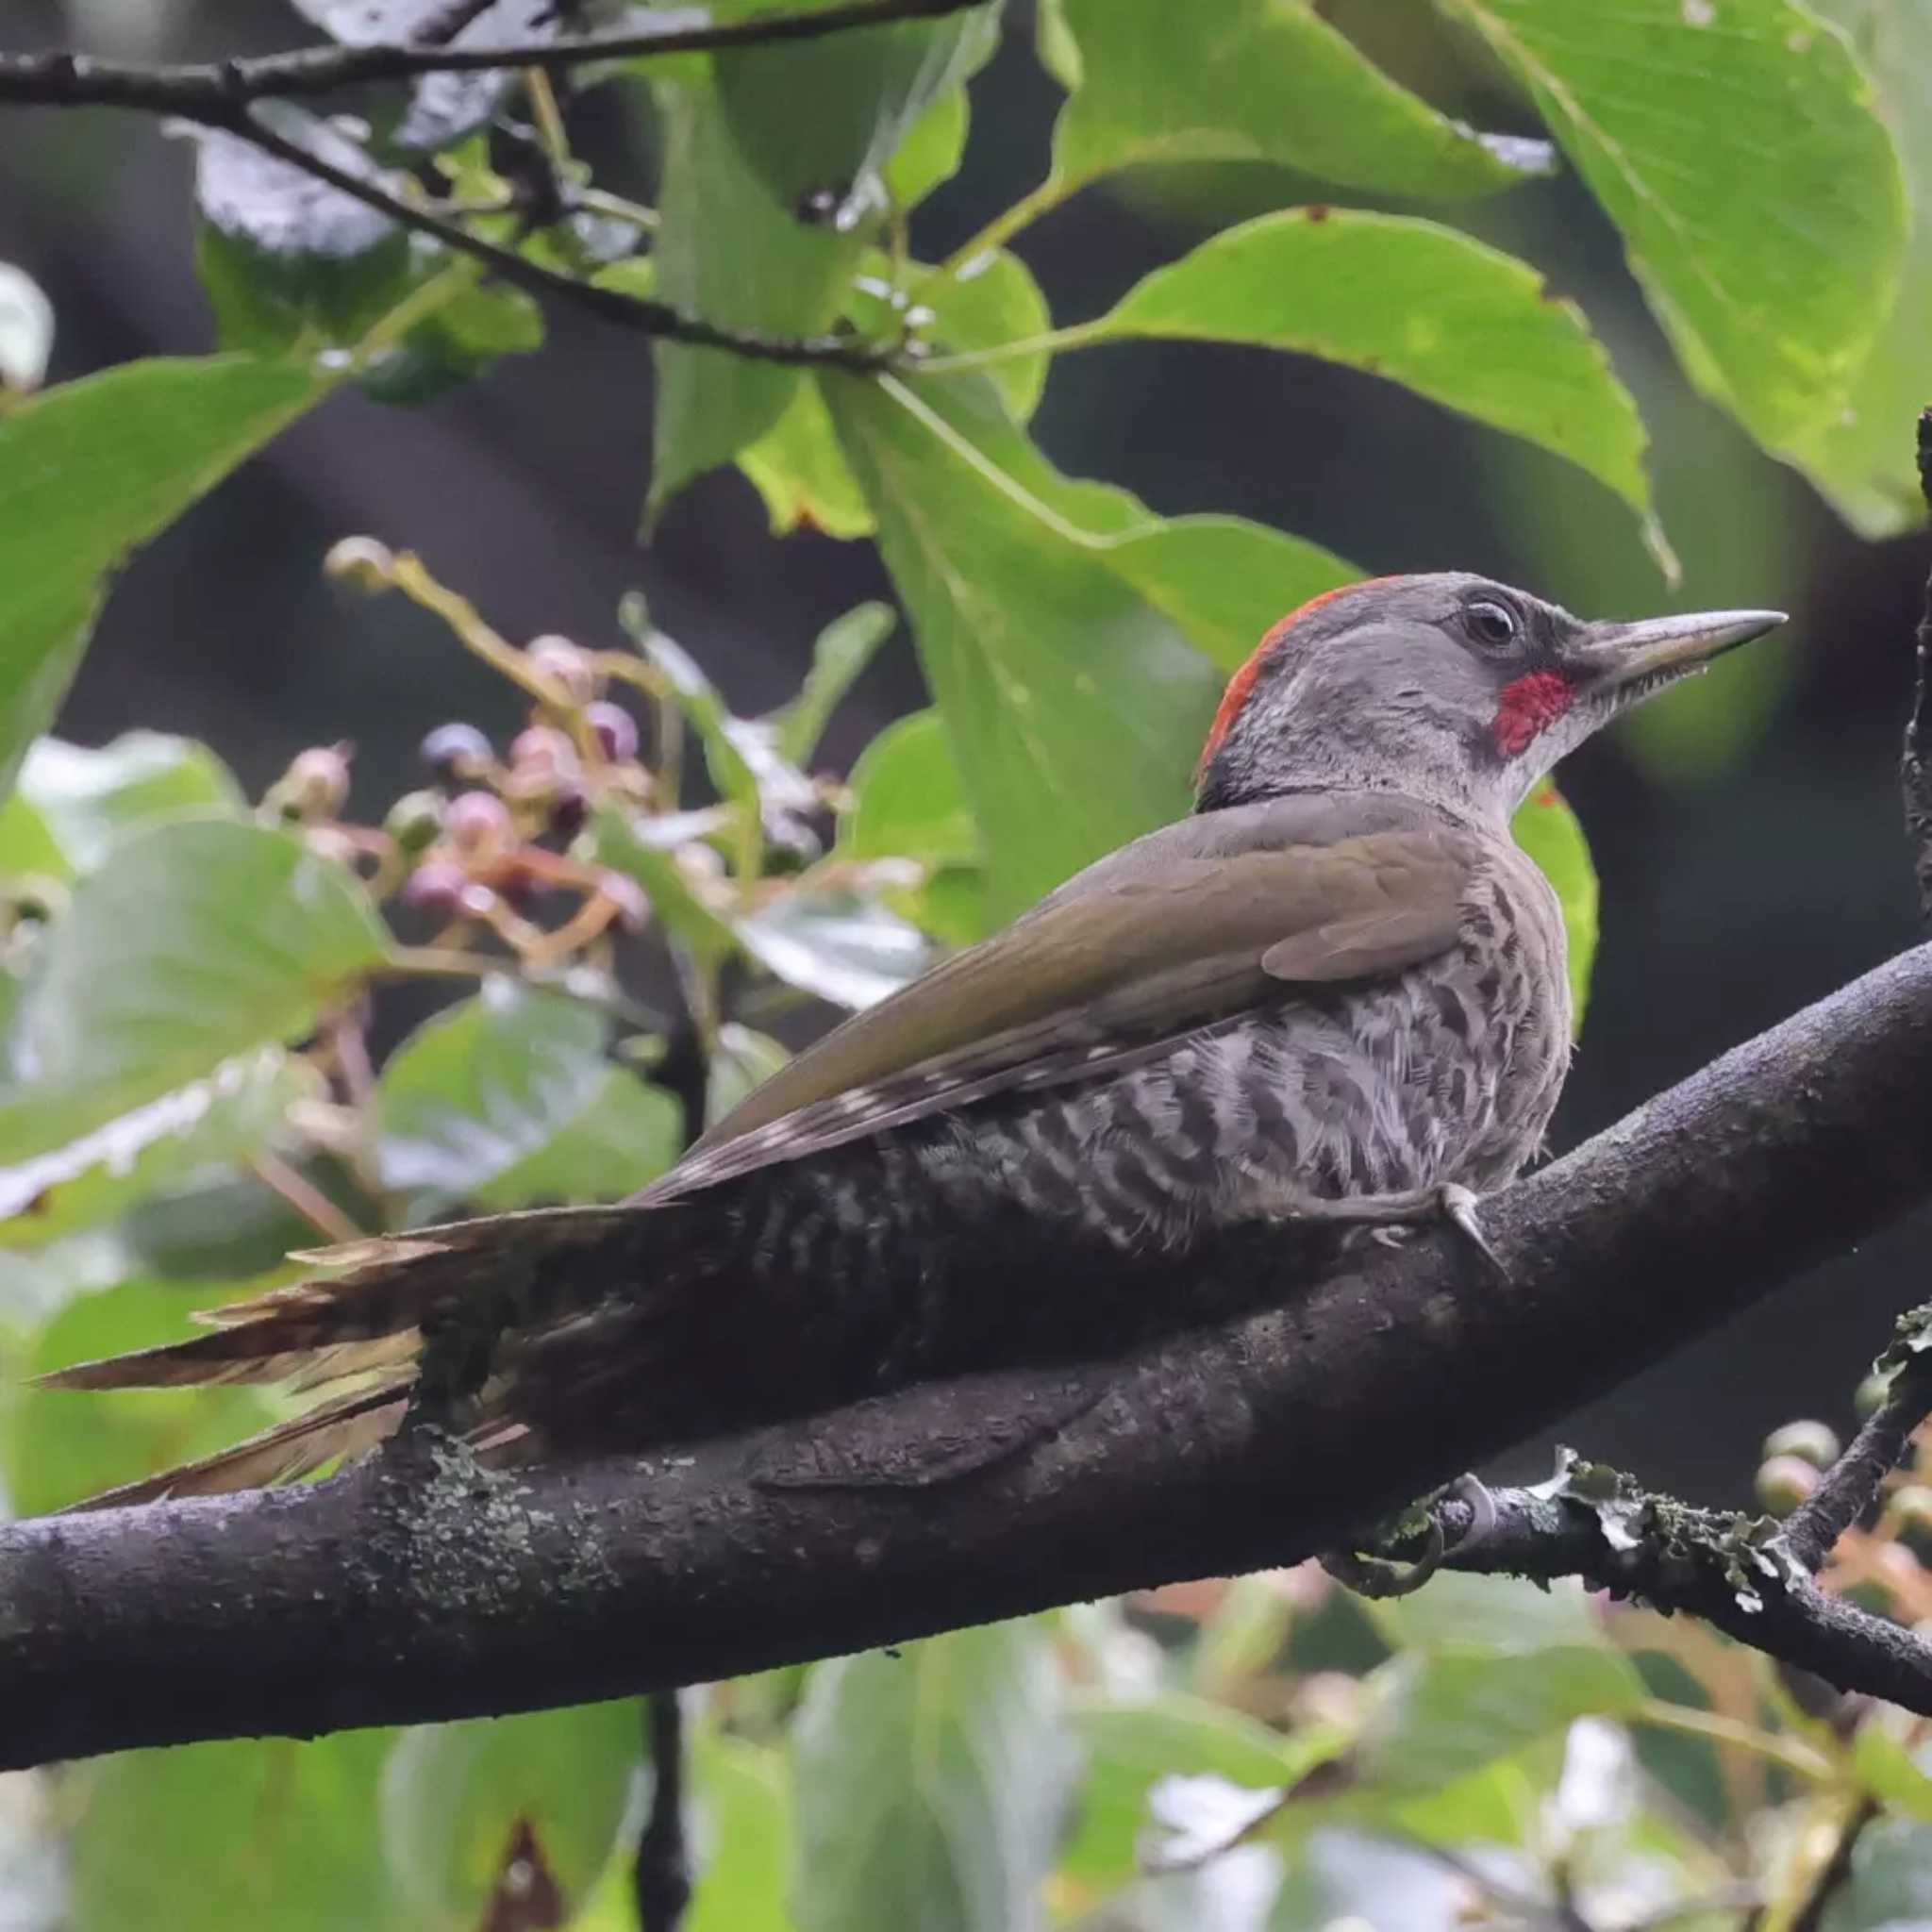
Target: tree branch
(1915, 776)
(205, 91)
(418, 1587)
(635, 312)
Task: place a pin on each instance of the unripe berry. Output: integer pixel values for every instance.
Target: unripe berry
(569, 671)
(1783, 1483)
(361, 563)
(1870, 1395)
(477, 824)
(456, 751)
(1911, 1502)
(436, 887)
(415, 822)
(1809, 1441)
(615, 730)
(315, 786)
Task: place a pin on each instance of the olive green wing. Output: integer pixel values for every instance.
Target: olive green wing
(1155, 943)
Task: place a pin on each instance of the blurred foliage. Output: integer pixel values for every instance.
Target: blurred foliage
(197, 986)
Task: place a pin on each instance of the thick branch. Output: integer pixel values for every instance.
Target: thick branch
(403, 1592)
(1915, 772)
(208, 90)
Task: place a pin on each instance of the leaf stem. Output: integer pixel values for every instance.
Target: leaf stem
(1010, 221)
(1801, 1759)
(1075, 335)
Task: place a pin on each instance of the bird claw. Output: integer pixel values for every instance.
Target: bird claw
(1458, 1205)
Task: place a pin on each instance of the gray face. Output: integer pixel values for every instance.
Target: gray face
(1449, 688)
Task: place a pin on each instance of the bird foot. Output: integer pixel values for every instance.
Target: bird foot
(1390, 1217)
(1367, 1572)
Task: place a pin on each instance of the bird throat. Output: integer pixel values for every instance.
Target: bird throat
(1527, 708)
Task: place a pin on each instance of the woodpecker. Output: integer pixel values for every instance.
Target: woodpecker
(1333, 996)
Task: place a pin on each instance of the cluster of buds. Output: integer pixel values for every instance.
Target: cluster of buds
(495, 831)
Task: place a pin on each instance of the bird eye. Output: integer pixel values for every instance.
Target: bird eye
(1491, 622)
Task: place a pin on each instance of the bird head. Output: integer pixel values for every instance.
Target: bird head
(1448, 687)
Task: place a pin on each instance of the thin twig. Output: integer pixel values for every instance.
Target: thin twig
(198, 90)
(304, 1196)
(637, 313)
(661, 1875)
(1849, 1486)
(1832, 1875)
(1915, 779)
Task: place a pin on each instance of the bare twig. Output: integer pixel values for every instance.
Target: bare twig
(635, 313)
(661, 1875)
(1850, 1486)
(1915, 776)
(204, 91)
(1831, 1875)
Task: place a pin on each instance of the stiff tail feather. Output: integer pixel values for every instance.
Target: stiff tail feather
(364, 1322)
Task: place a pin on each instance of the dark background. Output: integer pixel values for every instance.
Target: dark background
(1747, 830)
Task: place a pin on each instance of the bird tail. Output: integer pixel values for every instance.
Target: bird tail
(356, 1336)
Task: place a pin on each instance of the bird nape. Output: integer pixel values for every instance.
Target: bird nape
(1335, 994)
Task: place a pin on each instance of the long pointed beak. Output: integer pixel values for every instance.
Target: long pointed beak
(1662, 647)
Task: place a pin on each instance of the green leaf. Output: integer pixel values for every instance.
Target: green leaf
(1224, 580)
(197, 939)
(208, 1124)
(90, 470)
(906, 803)
(1264, 80)
(1072, 705)
(741, 1059)
(866, 92)
(1887, 1768)
(842, 945)
(930, 154)
(1862, 457)
(744, 1837)
(685, 912)
(1550, 832)
(800, 470)
(462, 336)
(508, 1099)
(284, 257)
(729, 252)
(1443, 1714)
(1502, 1615)
(1131, 1747)
(841, 651)
(88, 798)
(456, 1799)
(260, 1833)
(990, 299)
(58, 1445)
(1735, 146)
(1451, 317)
(928, 1785)
(26, 326)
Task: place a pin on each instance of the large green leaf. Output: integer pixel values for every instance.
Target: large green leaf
(508, 1099)
(267, 1833)
(1072, 705)
(1054, 621)
(85, 798)
(58, 1445)
(1443, 1714)
(197, 939)
(928, 1785)
(1263, 81)
(458, 1801)
(1548, 831)
(866, 92)
(1862, 457)
(729, 251)
(1451, 317)
(94, 469)
(208, 1126)
(1735, 146)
